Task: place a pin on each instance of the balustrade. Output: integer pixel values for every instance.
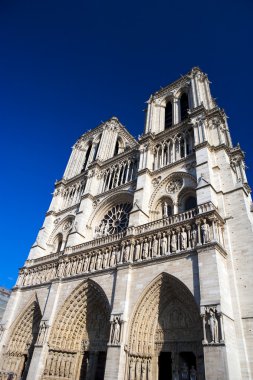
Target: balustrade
(173, 149)
(119, 174)
(170, 240)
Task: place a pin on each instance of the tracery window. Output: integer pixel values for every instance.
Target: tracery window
(115, 220)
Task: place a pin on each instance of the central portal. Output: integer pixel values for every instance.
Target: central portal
(165, 367)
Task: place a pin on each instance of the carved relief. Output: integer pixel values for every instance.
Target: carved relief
(82, 325)
(21, 344)
(174, 185)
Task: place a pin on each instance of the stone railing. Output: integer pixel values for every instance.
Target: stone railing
(185, 236)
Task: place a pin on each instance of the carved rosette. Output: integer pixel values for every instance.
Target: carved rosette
(212, 320)
(174, 185)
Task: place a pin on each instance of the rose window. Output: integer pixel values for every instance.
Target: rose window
(116, 219)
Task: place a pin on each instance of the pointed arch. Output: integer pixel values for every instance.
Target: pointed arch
(23, 336)
(165, 319)
(81, 328)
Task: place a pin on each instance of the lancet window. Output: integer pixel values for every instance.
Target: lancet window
(119, 174)
(72, 194)
(184, 106)
(173, 149)
(168, 115)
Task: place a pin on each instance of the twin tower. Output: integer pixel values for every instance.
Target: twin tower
(143, 267)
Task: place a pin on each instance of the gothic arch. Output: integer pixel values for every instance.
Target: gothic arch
(81, 328)
(24, 332)
(165, 319)
(63, 227)
(187, 181)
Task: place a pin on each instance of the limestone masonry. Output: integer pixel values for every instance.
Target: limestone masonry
(143, 268)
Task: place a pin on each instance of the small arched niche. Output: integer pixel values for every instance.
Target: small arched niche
(119, 146)
(57, 244)
(187, 200)
(87, 155)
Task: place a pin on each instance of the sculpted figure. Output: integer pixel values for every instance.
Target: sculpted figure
(113, 258)
(126, 252)
(132, 369)
(105, 259)
(137, 250)
(164, 244)
(99, 261)
(193, 373)
(184, 372)
(183, 237)
(97, 232)
(155, 247)
(213, 324)
(145, 249)
(42, 333)
(86, 263)
(205, 232)
(165, 210)
(115, 331)
(193, 237)
(173, 242)
(92, 262)
(106, 228)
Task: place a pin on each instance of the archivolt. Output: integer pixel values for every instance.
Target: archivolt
(85, 314)
(188, 181)
(23, 337)
(164, 293)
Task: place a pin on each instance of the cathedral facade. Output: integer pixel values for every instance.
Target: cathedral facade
(143, 267)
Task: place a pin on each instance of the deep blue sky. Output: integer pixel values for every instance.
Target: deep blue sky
(67, 65)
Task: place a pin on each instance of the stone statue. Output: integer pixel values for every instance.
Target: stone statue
(97, 232)
(145, 249)
(165, 210)
(205, 232)
(92, 262)
(113, 257)
(99, 261)
(106, 228)
(105, 259)
(164, 244)
(193, 373)
(126, 252)
(155, 247)
(213, 325)
(42, 333)
(137, 250)
(184, 372)
(193, 237)
(115, 339)
(173, 242)
(183, 238)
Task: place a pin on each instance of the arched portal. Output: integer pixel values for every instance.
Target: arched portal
(165, 333)
(24, 334)
(79, 336)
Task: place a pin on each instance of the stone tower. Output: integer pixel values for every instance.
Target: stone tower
(143, 267)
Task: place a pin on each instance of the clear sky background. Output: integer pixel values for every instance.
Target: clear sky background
(65, 66)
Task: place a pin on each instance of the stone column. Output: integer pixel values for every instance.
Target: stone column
(41, 348)
(116, 356)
